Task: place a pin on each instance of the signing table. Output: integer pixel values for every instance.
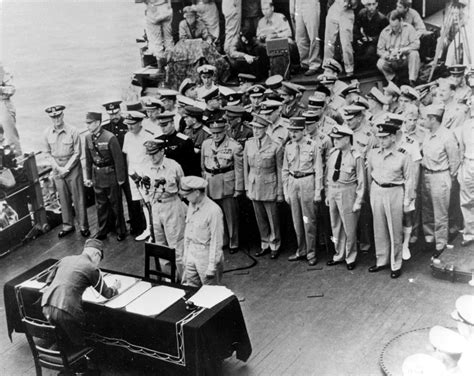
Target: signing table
(183, 341)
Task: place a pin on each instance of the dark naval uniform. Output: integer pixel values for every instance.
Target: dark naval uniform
(180, 148)
(292, 109)
(241, 133)
(135, 211)
(106, 168)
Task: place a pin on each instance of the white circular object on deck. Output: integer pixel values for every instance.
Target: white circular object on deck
(447, 340)
(422, 365)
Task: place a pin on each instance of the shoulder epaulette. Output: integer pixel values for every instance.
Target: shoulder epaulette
(105, 122)
(150, 132)
(182, 136)
(355, 153)
(206, 129)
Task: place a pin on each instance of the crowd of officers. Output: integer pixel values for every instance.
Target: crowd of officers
(355, 171)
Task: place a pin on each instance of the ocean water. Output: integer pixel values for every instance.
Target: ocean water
(77, 53)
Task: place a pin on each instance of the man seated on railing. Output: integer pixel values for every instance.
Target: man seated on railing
(192, 27)
(411, 16)
(369, 23)
(398, 48)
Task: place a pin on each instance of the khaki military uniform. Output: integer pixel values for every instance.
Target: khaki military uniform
(106, 168)
(63, 146)
(240, 133)
(440, 164)
(389, 174)
(222, 168)
(302, 176)
(203, 236)
(262, 173)
(289, 110)
(168, 211)
(342, 195)
(463, 93)
(326, 124)
(278, 132)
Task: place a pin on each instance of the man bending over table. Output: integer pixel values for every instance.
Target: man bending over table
(62, 298)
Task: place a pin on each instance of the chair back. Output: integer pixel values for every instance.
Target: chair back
(158, 252)
(44, 344)
(48, 348)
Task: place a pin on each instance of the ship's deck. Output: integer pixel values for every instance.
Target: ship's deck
(340, 333)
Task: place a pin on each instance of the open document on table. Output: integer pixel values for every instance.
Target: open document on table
(91, 294)
(209, 296)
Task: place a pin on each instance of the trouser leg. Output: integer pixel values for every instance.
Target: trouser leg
(346, 25)
(115, 199)
(309, 214)
(274, 222)
(233, 14)
(386, 68)
(466, 182)
(381, 230)
(427, 209)
(455, 213)
(413, 65)
(65, 201)
(440, 194)
(231, 214)
(174, 218)
(262, 222)
(302, 39)
(338, 233)
(8, 120)
(349, 223)
(102, 206)
(330, 34)
(297, 216)
(393, 203)
(76, 186)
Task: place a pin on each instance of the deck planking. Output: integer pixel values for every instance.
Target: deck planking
(340, 333)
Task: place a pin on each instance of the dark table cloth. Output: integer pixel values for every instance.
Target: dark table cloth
(185, 342)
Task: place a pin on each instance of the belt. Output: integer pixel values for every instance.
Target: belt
(342, 185)
(386, 185)
(103, 165)
(217, 171)
(428, 171)
(299, 175)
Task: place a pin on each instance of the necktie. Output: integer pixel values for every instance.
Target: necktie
(337, 167)
(297, 158)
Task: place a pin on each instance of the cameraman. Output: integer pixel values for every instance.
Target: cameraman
(168, 211)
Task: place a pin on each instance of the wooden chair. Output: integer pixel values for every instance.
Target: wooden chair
(48, 351)
(158, 252)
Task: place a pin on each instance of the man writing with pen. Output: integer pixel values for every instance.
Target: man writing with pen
(62, 298)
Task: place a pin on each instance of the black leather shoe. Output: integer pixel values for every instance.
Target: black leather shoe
(262, 252)
(465, 243)
(351, 266)
(296, 258)
(396, 273)
(100, 236)
(233, 250)
(274, 255)
(332, 262)
(63, 233)
(438, 253)
(375, 268)
(85, 233)
(121, 237)
(313, 261)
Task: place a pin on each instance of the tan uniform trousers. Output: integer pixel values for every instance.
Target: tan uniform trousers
(387, 208)
(71, 191)
(307, 33)
(340, 22)
(160, 38)
(196, 265)
(268, 221)
(466, 182)
(435, 194)
(303, 212)
(232, 11)
(343, 221)
(230, 207)
(412, 61)
(169, 219)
